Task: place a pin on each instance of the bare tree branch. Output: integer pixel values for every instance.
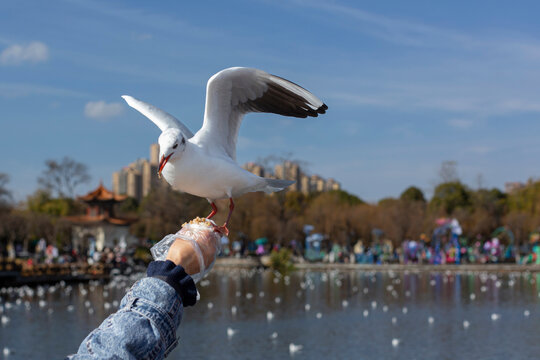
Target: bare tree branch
(63, 177)
(448, 171)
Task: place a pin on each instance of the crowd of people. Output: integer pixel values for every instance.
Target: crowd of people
(445, 246)
(409, 252)
(48, 253)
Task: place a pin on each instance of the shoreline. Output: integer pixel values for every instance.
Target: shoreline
(250, 263)
(13, 279)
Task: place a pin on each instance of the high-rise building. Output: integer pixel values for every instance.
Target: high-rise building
(317, 183)
(332, 184)
(149, 177)
(254, 168)
(120, 182)
(154, 154)
(291, 170)
(305, 185)
(138, 178)
(134, 184)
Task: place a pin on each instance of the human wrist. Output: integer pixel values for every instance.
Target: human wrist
(176, 276)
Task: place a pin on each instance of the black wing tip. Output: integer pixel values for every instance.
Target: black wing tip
(321, 110)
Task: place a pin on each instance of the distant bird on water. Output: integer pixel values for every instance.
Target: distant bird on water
(204, 164)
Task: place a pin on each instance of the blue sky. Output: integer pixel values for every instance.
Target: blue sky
(408, 84)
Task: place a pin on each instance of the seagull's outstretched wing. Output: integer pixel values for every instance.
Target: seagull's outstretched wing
(233, 92)
(162, 119)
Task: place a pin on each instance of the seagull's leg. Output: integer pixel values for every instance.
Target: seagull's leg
(223, 229)
(214, 210)
(231, 208)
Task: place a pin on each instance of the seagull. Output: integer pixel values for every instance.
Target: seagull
(231, 332)
(204, 164)
(293, 348)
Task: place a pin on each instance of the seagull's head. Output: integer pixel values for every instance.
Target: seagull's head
(172, 144)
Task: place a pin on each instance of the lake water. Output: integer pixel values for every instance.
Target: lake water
(332, 315)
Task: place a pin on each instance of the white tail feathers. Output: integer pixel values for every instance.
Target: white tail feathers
(273, 185)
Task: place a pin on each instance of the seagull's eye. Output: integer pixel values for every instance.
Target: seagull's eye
(175, 146)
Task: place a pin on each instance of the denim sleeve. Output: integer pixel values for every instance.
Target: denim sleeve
(144, 327)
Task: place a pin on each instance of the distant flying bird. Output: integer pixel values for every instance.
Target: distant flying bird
(204, 164)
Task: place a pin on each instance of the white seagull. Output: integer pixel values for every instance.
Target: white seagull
(204, 164)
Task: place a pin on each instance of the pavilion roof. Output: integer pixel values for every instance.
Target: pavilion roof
(91, 220)
(102, 194)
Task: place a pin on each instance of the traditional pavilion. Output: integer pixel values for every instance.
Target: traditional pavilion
(99, 227)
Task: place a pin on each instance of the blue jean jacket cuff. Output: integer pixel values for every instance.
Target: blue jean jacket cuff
(175, 276)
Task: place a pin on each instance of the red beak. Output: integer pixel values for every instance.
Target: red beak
(162, 163)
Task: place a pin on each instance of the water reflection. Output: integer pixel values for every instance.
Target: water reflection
(256, 314)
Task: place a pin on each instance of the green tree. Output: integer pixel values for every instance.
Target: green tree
(281, 261)
(387, 202)
(485, 214)
(494, 201)
(5, 194)
(526, 199)
(42, 202)
(346, 198)
(128, 207)
(412, 194)
(450, 196)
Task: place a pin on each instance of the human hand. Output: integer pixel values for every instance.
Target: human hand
(182, 251)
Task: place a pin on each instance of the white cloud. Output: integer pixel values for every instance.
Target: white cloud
(34, 52)
(460, 123)
(101, 110)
